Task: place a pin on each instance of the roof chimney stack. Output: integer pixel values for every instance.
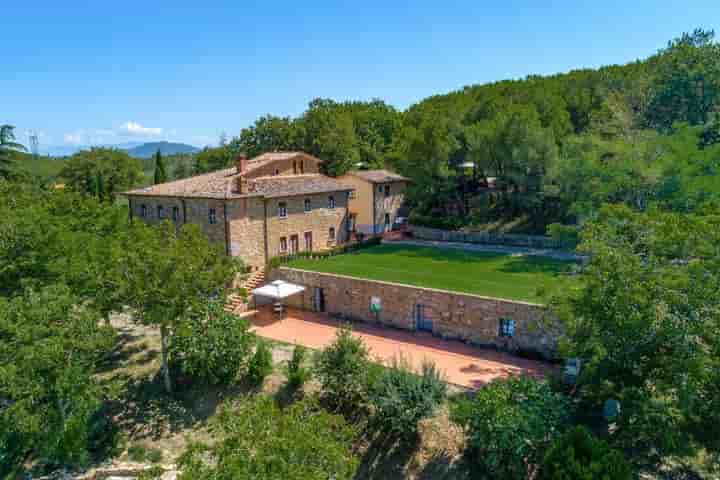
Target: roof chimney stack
(241, 163)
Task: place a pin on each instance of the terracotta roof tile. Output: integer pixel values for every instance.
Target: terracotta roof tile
(378, 176)
(289, 185)
(223, 183)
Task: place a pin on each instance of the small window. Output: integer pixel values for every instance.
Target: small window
(380, 188)
(387, 191)
(143, 211)
(387, 220)
(295, 167)
(302, 166)
(212, 217)
(277, 172)
(308, 205)
(331, 234)
(175, 214)
(282, 210)
(331, 202)
(283, 244)
(160, 211)
(507, 327)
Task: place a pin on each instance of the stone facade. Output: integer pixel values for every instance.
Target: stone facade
(188, 210)
(453, 315)
(317, 222)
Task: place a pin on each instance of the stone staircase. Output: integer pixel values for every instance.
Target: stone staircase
(236, 303)
(257, 279)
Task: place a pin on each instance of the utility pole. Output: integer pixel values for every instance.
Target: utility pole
(34, 143)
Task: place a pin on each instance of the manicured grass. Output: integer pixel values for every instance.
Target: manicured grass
(528, 278)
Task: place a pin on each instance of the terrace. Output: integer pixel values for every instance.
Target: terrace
(525, 278)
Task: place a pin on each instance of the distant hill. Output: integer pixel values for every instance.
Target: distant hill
(147, 150)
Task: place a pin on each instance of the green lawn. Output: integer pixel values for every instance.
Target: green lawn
(531, 279)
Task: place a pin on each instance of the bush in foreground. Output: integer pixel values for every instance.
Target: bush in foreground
(402, 398)
(342, 368)
(212, 346)
(297, 374)
(577, 455)
(261, 364)
(260, 440)
(510, 424)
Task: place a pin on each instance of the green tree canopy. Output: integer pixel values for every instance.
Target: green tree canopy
(118, 170)
(170, 273)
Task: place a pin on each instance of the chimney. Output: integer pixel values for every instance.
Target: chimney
(241, 163)
(242, 185)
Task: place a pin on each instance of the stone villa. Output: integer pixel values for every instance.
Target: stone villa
(274, 204)
(376, 200)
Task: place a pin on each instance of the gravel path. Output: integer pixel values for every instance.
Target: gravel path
(475, 247)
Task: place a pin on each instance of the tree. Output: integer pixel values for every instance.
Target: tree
(686, 87)
(160, 173)
(342, 369)
(577, 455)
(645, 325)
(210, 159)
(118, 170)
(268, 134)
(330, 135)
(169, 274)
(49, 398)
(510, 424)
(7, 145)
(212, 346)
(261, 364)
(258, 439)
(403, 397)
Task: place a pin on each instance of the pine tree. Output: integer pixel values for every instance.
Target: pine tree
(160, 173)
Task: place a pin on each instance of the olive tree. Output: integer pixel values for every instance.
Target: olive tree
(168, 273)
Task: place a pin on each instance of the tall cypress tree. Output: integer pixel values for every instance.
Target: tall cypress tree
(160, 173)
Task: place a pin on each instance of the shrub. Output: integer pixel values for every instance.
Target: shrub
(510, 423)
(141, 453)
(402, 398)
(257, 439)
(261, 364)
(297, 374)
(567, 235)
(212, 346)
(577, 455)
(342, 369)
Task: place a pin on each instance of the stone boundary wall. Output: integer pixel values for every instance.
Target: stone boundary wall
(513, 240)
(471, 318)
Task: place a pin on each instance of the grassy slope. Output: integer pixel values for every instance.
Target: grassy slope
(488, 274)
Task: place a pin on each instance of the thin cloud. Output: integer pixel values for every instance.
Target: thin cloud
(134, 129)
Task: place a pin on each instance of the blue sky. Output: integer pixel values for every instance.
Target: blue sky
(113, 72)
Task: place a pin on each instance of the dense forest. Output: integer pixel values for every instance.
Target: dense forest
(530, 152)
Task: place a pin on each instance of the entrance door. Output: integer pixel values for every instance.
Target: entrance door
(319, 299)
(387, 222)
(423, 318)
(294, 244)
(308, 241)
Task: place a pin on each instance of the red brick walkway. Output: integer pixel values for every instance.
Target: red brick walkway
(462, 364)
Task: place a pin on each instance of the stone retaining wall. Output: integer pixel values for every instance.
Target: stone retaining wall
(513, 240)
(453, 315)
